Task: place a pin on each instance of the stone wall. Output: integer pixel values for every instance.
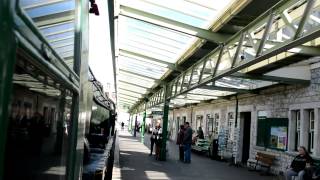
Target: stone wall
(275, 101)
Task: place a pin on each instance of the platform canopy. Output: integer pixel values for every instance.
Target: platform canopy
(153, 35)
(157, 43)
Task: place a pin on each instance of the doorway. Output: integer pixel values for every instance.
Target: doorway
(246, 129)
(199, 121)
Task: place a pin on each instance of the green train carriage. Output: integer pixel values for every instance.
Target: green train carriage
(45, 96)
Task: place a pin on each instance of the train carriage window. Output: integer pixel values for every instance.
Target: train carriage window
(37, 142)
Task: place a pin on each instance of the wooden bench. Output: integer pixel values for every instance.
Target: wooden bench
(263, 160)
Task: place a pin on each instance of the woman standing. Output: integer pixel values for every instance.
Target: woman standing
(153, 138)
(180, 142)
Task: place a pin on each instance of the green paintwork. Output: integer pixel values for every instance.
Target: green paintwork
(79, 108)
(164, 125)
(32, 43)
(135, 125)
(143, 124)
(7, 61)
(129, 124)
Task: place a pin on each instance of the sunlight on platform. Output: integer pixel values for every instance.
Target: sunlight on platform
(156, 175)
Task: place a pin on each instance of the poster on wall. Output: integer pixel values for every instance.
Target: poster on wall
(278, 138)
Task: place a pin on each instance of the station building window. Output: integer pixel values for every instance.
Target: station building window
(272, 133)
(298, 128)
(311, 130)
(230, 125)
(210, 125)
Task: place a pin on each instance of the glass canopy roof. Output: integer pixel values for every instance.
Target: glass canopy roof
(55, 20)
(147, 51)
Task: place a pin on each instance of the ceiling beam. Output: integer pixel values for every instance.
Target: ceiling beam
(300, 49)
(123, 94)
(42, 4)
(54, 18)
(177, 26)
(135, 92)
(229, 89)
(171, 66)
(137, 74)
(199, 94)
(283, 80)
(133, 84)
(126, 101)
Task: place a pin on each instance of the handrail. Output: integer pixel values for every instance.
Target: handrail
(26, 46)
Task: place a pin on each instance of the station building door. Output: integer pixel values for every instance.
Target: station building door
(245, 118)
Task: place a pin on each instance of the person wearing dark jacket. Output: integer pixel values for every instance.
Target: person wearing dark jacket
(153, 139)
(180, 142)
(200, 134)
(299, 164)
(187, 141)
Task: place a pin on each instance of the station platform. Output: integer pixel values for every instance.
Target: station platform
(135, 163)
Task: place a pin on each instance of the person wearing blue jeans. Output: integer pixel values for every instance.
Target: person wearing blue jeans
(187, 153)
(187, 140)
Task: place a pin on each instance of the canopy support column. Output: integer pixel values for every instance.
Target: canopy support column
(164, 124)
(135, 126)
(143, 123)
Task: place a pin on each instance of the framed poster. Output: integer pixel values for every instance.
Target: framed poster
(278, 137)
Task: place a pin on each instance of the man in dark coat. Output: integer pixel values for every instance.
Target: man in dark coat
(187, 141)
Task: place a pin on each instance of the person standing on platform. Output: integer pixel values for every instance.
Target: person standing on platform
(153, 139)
(180, 142)
(122, 125)
(158, 142)
(187, 140)
(200, 134)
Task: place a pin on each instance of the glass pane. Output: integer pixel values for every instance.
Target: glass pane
(137, 81)
(39, 126)
(53, 8)
(54, 19)
(58, 28)
(145, 61)
(141, 67)
(134, 78)
(134, 94)
(151, 40)
(195, 14)
(167, 13)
